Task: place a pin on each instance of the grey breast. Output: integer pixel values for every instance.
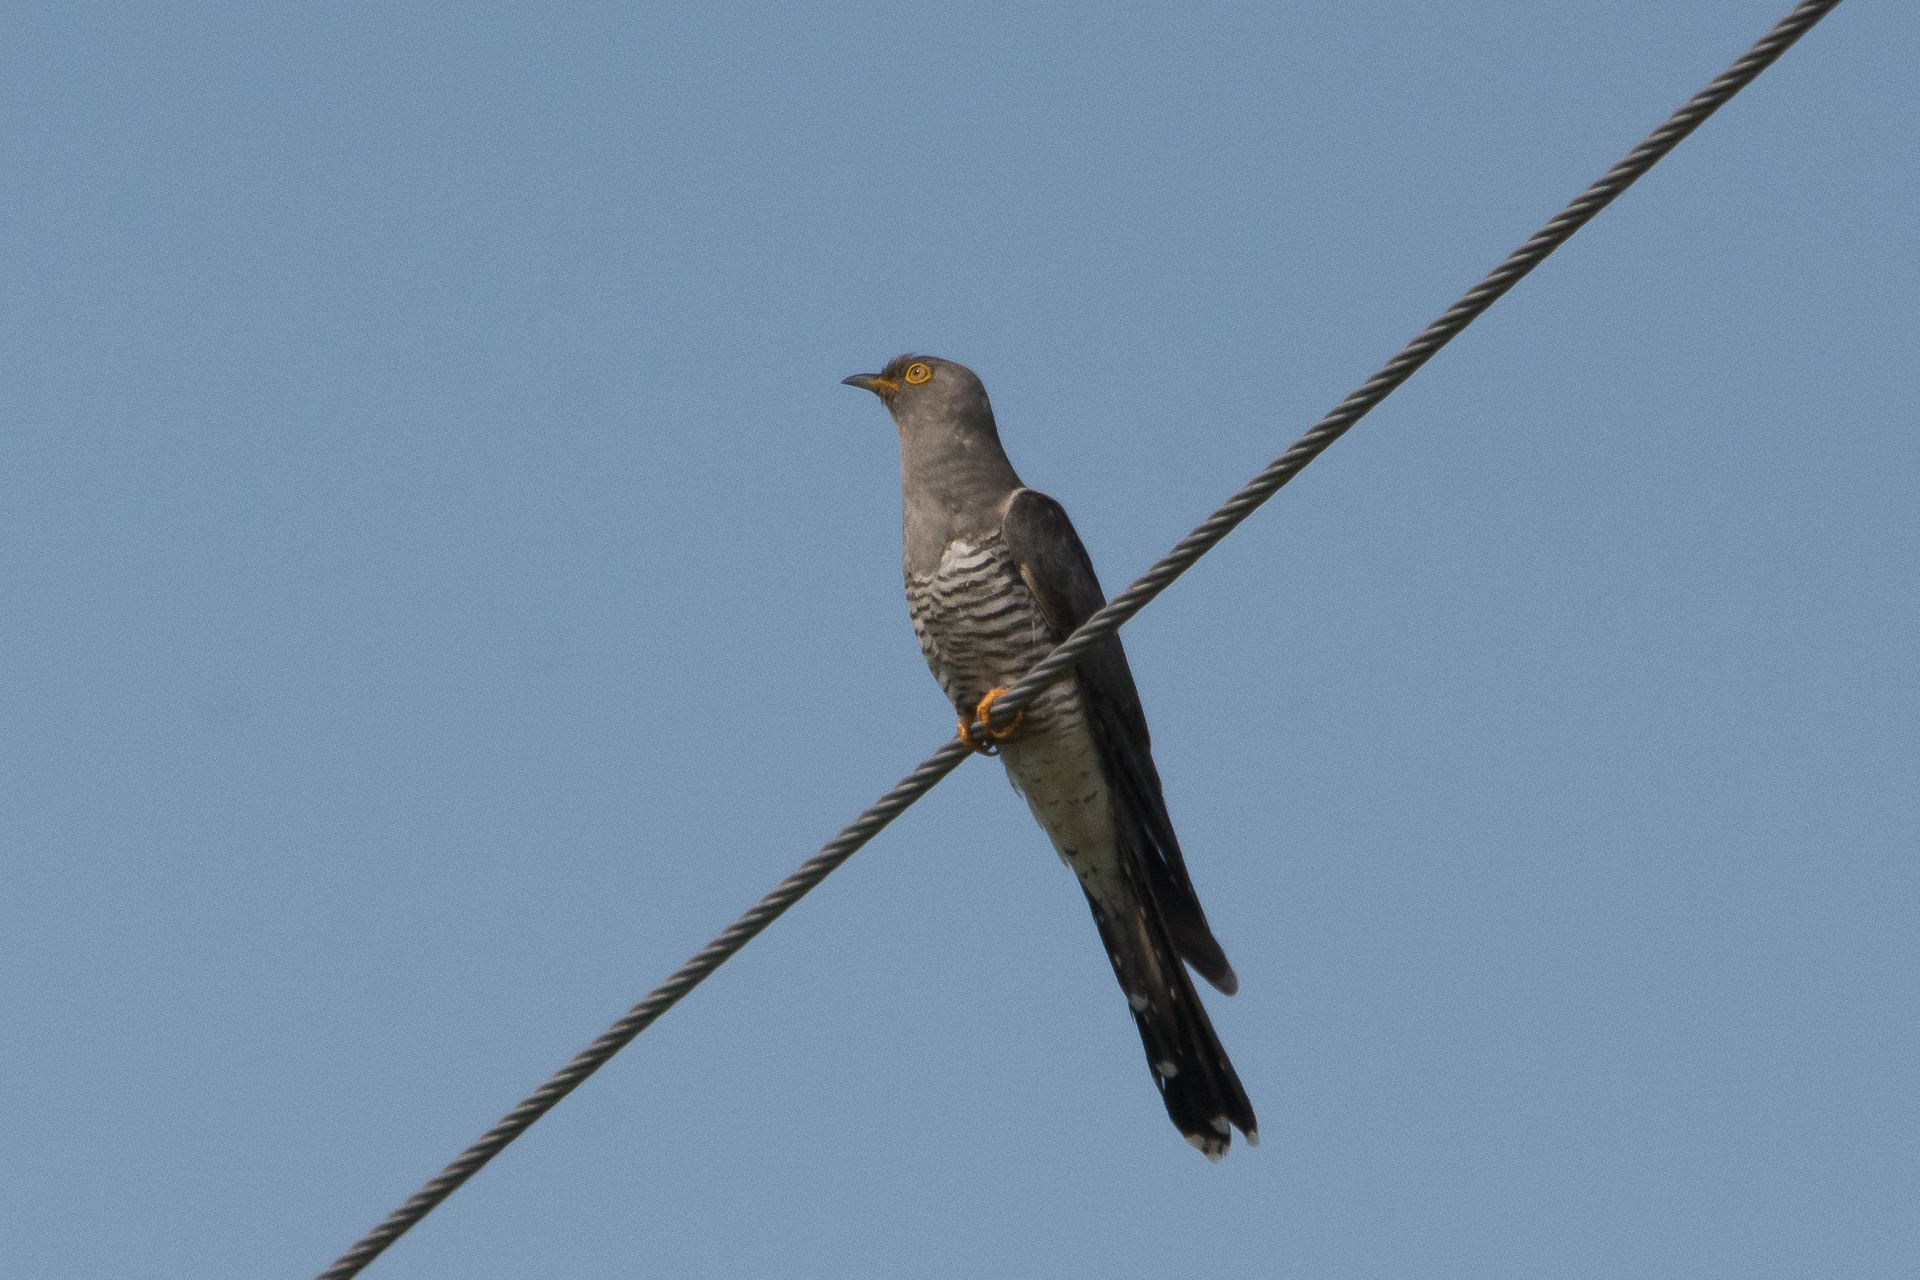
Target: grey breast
(978, 625)
(980, 628)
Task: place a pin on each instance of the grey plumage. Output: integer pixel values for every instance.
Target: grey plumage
(996, 576)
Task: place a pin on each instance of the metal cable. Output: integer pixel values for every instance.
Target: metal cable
(1416, 353)
(658, 1001)
(1096, 629)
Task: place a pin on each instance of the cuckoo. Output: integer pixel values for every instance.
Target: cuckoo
(996, 577)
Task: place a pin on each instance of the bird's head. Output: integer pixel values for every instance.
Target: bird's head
(921, 391)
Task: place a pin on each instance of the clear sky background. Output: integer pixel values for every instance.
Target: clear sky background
(442, 582)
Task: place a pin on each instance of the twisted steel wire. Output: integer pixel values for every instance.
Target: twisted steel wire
(1096, 629)
(1416, 353)
(658, 1001)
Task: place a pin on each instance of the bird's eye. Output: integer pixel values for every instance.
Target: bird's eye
(919, 373)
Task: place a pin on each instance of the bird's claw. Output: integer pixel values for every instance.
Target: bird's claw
(984, 713)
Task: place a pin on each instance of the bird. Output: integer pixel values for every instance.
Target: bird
(996, 577)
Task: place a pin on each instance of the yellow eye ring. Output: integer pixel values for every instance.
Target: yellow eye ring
(919, 373)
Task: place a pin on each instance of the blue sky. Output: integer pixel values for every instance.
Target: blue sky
(445, 582)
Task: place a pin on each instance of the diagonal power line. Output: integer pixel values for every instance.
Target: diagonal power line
(1096, 629)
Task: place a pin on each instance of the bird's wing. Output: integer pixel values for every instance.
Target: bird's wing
(1057, 570)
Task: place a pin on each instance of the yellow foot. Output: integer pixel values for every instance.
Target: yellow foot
(984, 713)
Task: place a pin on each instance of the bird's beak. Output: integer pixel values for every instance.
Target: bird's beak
(882, 387)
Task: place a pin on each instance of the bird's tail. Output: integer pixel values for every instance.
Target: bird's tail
(1197, 1082)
